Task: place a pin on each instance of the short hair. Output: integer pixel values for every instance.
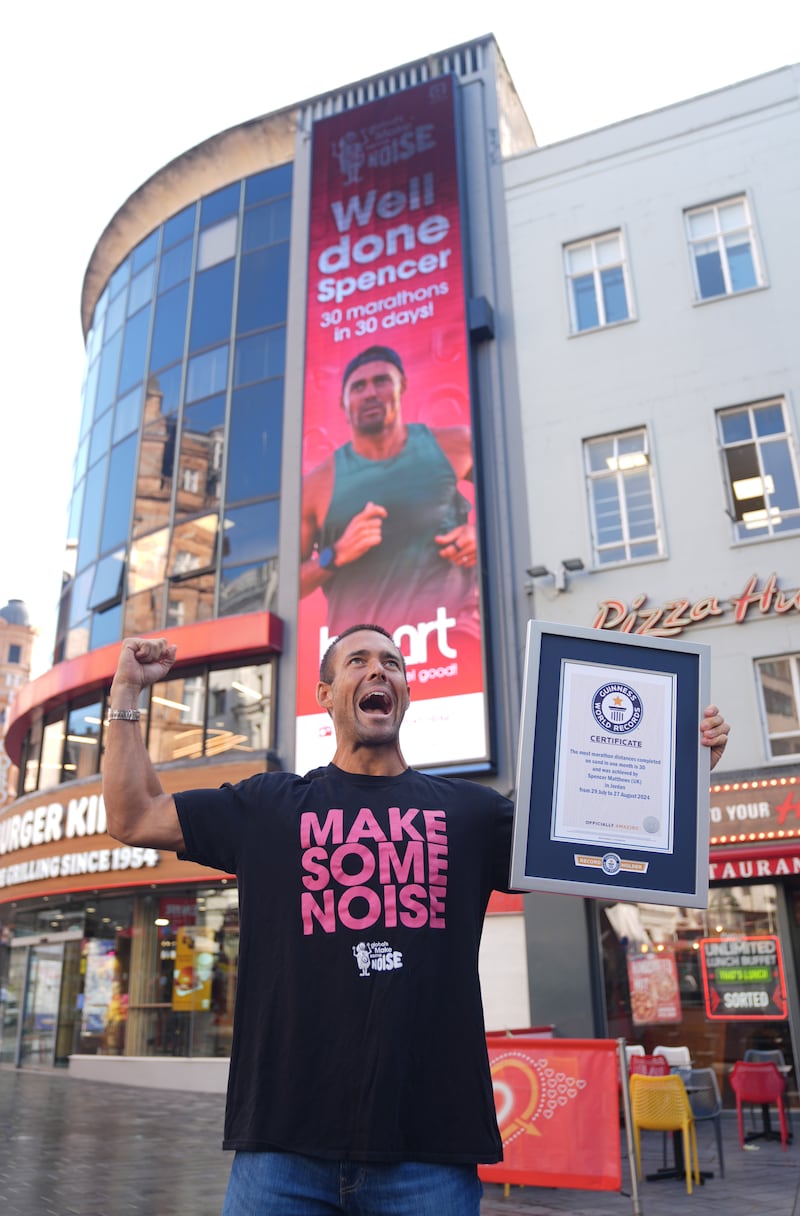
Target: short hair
(326, 672)
(373, 354)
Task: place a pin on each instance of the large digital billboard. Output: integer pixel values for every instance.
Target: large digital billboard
(389, 530)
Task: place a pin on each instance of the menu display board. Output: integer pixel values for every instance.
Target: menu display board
(743, 978)
(653, 983)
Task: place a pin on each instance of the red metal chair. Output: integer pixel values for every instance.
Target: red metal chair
(649, 1066)
(761, 1084)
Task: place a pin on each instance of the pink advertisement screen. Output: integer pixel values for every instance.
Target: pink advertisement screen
(389, 531)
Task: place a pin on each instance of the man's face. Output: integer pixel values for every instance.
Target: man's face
(371, 397)
(368, 695)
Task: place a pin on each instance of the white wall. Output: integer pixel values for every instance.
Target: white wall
(669, 369)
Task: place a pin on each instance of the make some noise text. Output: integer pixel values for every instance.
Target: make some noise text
(368, 875)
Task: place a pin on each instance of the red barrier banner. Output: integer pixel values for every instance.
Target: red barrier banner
(557, 1103)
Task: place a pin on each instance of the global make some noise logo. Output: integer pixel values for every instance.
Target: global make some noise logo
(617, 708)
(376, 956)
(391, 871)
(381, 144)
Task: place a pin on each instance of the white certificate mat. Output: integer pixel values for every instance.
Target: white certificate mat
(615, 758)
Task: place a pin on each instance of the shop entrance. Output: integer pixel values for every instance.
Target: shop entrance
(40, 1008)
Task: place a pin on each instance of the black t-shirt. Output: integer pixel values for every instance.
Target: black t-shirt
(359, 1027)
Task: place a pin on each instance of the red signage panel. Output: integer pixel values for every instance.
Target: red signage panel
(557, 1103)
(389, 528)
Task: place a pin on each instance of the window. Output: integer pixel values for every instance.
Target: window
(723, 249)
(779, 686)
(597, 279)
(14, 653)
(622, 499)
(760, 466)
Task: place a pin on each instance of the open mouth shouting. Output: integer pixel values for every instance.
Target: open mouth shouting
(376, 701)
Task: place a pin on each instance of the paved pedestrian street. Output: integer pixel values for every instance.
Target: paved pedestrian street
(82, 1147)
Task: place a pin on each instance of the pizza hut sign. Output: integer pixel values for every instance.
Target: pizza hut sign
(677, 615)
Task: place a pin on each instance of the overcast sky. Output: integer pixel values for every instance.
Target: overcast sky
(97, 96)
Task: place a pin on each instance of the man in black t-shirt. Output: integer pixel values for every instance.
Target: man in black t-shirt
(359, 1078)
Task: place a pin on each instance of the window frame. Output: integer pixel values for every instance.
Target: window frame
(769, 530)
(770, 736)
(719, 234)
(592, 242)
(618, 476)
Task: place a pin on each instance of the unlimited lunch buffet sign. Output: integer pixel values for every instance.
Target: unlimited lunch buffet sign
(675, 616)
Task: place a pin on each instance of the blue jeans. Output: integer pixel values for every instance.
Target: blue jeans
(287, 1184)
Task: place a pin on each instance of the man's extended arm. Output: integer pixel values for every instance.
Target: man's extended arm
(138, 810)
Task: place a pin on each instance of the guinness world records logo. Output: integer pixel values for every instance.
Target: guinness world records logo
(617, 708)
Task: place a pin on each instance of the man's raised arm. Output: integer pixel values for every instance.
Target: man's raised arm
(138, 810)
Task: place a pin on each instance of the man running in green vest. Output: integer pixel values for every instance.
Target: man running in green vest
(385, 529)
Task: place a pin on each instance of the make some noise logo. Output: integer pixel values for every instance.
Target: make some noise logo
(376, 956)
(381, 144)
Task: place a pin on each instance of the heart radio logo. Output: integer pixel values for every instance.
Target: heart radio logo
(527, 1090)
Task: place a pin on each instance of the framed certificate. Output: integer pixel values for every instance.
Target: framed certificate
(612, 783)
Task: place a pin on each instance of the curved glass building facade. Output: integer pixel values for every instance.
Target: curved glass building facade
(184, 521)
(174, 512)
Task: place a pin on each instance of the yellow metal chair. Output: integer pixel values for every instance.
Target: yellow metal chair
(661, 1104)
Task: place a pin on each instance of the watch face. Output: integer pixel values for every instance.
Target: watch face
(326, 558)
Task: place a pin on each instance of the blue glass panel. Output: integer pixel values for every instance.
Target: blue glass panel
(709, 275)
(81, 459)
(168, 385)
(107, 582)
(169, 330)
(105, 627)
(740, 265)
(777, 461)
(218, 206)
(586, 314)
(90, 520)
(254, 446)
(75, 508)
(116, 314)
(212, 306)
(263, 287)
(769, 419)
(176, 265)
(207, 374)
(614, 298)
(735, 426)
(101, 438)
(117, 517)
(119, 278)
(134, 348)
(89, 393)
(266, 225)
(250, 588)
(260, 356)
(141, 289)
(268, 184)
(145, 251)
(79, 596)
(179, 227)
(250, 533)
(127, 414)
(109, 367)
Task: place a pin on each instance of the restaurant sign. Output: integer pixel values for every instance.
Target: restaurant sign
(743, 978)
(673, 617)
